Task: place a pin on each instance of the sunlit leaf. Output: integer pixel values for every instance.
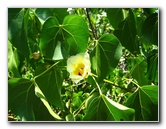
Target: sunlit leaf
(101, 108)
(75, 31)
(106, 55)
(145, 103)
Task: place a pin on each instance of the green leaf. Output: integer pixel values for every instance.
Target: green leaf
(106, 55)
(127, 33)
(13, 61)
(115, 16)
(75, 32)
(23, 102)
(101, 108)
(152, 68)
(49, 33)
(49, 80)
(12, 14)
(44, 13)
(145, 103)
(138, 71)
(17, 33)
(150, 28)
(70, 117)
(43, 99)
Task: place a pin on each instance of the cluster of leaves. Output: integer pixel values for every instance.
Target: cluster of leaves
(123, 47)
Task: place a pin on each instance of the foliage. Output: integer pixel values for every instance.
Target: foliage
(123, 48)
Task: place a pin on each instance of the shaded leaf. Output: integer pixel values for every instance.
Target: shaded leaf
(13, 61)
(152, 68)
(150, 28)
(44, 13)
(115, 16)
(127, 33)
(145, 103)
(23, 102)
(50, 83)
(138, 71)
(17, 33)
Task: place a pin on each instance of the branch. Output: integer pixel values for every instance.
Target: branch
(91, 26)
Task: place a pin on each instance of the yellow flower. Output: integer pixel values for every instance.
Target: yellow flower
(79, 67)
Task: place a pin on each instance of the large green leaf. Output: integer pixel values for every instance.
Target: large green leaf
(106, 55)
(44, 13)
(127, 33)
(75, 32)
(23, 102)
(150, 28)
(17, 33)
(49, 81)
(49, 33)
(115, 16)
(145, 103)
(101, 108)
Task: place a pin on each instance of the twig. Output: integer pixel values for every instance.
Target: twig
(91, 26)
(71, 95)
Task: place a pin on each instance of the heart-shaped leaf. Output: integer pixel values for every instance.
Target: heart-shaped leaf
(101, 108)
(106, 55)
(23, 102)
(115, 16)
(75, 31)
(145, 103)
(127, 33)
(50, 83)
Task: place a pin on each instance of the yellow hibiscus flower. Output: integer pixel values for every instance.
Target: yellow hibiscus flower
(79, 67)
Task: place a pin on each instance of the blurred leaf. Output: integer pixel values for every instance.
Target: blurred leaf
(70, 117)
(115, 16)
(152, 68)
(150, 28)
(106, 55)
(50, 83)
(101, 108)
(12, 14)
(149, 11)
(127, 33)
(145, 103)
(13, 61)
(23, 102)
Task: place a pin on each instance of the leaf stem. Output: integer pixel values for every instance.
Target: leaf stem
(97, 85)
(76, 112)
(108, 81)
(46, 70)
